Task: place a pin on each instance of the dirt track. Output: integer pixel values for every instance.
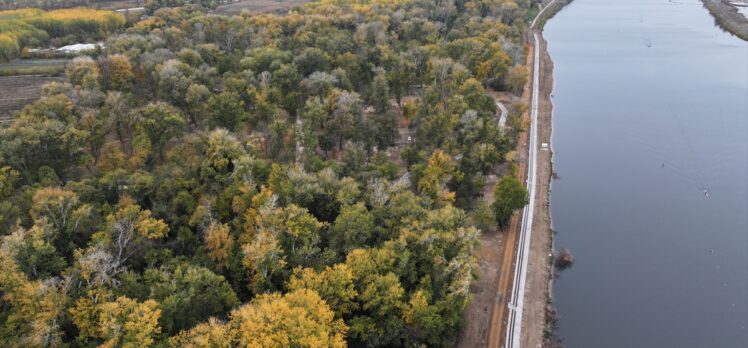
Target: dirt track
(259, 6)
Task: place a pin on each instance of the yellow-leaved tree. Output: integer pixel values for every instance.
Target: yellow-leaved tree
(297, 319)
(123, 322)
(219, 242)
(300, 318)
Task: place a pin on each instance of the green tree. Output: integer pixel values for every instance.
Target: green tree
(509, 195)
(69, 219)
(225, 110)
(352, 229)
(33, 251)
(187, 295)
(160, 122)
(31, 143)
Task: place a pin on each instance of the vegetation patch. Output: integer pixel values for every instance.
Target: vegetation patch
(33, 67)
(25, 28)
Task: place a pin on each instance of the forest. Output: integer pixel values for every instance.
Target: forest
(314, 179)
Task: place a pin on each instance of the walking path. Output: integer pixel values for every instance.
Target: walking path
(512, 314)
(504, 112)
(514, 326)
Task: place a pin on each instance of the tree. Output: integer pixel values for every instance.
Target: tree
(382, 300)
(34, 311)
(196, 98)
(33, 251)
(174, 79)
(334, 284)
(8, 209)
(187, 295)
(311, 59)
(434, 178)
(160, 122)
(83, 71)
(211, 334)
(98, 127)
(127, 231)
(516, 78)
(123, 121)
(346, 115)
(67, 217)
(380, 92)
(31, 143)
(219, 242)
(225, 110)
(509, 195)
(123, 322)
(265, 322)
(116, 72)
(352, 229)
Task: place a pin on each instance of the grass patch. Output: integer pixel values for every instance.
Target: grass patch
(34, 67)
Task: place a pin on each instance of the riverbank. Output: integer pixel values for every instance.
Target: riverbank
(548, 12)
(727, 17)
(537, 320)
(535, 323)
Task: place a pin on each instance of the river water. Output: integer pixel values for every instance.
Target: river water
(651, 145)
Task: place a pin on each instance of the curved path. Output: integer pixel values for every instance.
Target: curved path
(504, 112)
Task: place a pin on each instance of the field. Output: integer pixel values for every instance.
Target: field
(259, 6)
(17, 91)
(33, 67)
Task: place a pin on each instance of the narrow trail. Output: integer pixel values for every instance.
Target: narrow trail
(504, 112)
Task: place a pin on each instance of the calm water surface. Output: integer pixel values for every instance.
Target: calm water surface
(651, 145)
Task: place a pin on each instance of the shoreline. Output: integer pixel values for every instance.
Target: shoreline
(538, 320)
(535, 321)
(727, 17)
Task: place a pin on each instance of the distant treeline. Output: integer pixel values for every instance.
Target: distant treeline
(151, 4)
(24, 28)
(57, 4)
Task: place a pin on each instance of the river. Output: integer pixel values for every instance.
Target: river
(650, 143)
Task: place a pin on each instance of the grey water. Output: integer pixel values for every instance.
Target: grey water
(650, 139)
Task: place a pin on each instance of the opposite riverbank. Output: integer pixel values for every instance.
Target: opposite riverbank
(727, 17)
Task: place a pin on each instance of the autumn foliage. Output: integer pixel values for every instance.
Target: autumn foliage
(301, 180)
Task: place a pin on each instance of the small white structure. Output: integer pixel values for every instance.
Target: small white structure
(544, 146)
(132, 9)
(77, 48)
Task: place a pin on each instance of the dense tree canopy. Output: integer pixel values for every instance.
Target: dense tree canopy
(260, 180)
